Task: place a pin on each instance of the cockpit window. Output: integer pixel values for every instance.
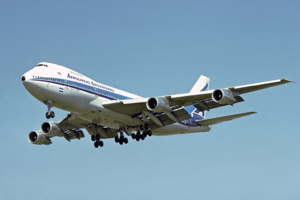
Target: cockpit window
(42, 65)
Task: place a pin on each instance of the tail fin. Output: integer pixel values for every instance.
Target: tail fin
(202, 84)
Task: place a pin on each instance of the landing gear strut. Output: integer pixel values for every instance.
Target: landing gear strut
(121, 139)
(146, 132)
(49, 114)
(96, 138)
(98, 142)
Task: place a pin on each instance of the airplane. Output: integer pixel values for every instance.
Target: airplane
(106, 112)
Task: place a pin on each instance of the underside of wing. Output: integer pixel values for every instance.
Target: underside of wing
(72, 123)
(180, 114)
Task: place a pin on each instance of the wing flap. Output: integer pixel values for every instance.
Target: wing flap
(210, 104)
(180, 114)
(187, 98)
(206, 122)
(75, 135)
(72, 122)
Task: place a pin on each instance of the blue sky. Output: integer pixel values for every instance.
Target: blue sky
(154, 48)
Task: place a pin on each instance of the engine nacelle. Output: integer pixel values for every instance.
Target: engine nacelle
(159, 104)
(223, 96)
(37, 137)
(51, 129)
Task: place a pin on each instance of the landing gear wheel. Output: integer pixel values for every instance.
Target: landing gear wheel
(149, 133)
(96, 144)
(146, 126)
(141, 127)
(98, 137)
(133, 136)
(52, 114)
(93, 138)
(101, 143)
(142, 137)
(47, 116)
(121, 141)
(116, 139)
(125, 140)
(138, 136)
(145, 134)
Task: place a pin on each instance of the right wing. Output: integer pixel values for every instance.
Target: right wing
(71, 124)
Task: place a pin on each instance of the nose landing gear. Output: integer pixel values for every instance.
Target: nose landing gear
(49, 114)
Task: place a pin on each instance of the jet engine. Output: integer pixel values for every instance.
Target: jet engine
(37, 137)
(223, 96)
(159, 104)
(51, 129)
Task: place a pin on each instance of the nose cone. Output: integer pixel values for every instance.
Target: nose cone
(25, 79)
(32, 86)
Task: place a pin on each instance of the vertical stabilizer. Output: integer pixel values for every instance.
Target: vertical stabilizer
(202, 84)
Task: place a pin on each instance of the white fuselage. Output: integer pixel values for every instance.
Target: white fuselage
(73, 92)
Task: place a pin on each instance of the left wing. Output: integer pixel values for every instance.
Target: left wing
(236, 91)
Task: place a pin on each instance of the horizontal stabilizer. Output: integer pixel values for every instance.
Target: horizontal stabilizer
(217, 120)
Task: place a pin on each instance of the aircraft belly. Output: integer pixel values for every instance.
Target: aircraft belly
(99, 118)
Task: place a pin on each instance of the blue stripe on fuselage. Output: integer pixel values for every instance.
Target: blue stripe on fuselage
(83, 87)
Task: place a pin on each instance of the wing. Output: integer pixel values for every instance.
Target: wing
(201, 100)
(71, 124)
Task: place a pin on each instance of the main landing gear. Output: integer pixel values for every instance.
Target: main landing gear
(97, 141)
(142, 135)
(96, 137)
(49, 114)
(121, 139)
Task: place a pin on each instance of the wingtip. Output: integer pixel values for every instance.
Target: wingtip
(250, 113)
(286, 81)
